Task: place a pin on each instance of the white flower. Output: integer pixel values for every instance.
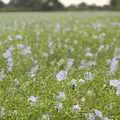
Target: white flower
(33, 71)
(74, 83)
(76, 108)
(62, 75)
(91, 116)
(59, 107)
(88, 76)
(61, 96)
(87, 64)
(19, 37)
(25, 50)
(32, 99)
(115, 83)
(97, 114)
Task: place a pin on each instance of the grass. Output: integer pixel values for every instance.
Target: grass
(53, 39)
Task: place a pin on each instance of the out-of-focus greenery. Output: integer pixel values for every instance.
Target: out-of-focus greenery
(53, 5)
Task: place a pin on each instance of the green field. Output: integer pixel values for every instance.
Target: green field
(60, 66)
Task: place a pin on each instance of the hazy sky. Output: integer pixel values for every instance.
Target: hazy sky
(98, 2)
(68, 2)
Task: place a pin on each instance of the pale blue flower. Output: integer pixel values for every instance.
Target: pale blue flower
(62, 75)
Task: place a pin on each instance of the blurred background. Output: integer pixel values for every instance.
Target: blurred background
(58, 5)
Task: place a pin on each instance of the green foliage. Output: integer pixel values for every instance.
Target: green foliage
(115, 4)
(36, 5)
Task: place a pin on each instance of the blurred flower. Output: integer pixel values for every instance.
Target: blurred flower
(58, 27)
(74, 83)
(8, 55)
(116, 84)
(33, 71)
(19, 37)
(61, 96)
(70, 62)
(32, 99)
(88, 76)
(91, 116)
(62, 75)
(76, 108)
(114, 65)
(59, 107)
(25, 50)
(98, 114)
(87, 64)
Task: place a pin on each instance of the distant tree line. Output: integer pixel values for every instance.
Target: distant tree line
(53, 5)
(115, 4)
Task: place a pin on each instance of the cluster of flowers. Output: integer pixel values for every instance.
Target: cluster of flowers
(8, 55)
(97, 115)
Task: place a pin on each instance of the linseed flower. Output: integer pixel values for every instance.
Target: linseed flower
(62, 75)
(76, 108)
